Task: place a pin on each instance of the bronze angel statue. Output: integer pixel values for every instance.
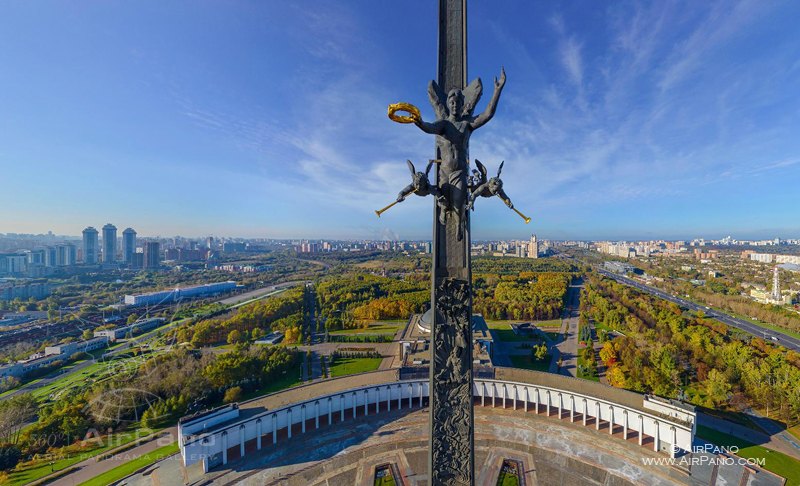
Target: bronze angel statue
(454, 124)
(420, 184)
(484, 187)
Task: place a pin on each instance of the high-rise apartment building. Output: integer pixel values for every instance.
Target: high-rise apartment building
(128, 245)
(109, 243)
(533, 247)
(50, 256)
(37, 256)
(65, 255)
(152, 255)
(90, 246)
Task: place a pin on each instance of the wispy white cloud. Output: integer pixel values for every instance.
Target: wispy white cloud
(571, 59)
(722, 22)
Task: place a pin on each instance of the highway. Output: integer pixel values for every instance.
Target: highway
(784, 340)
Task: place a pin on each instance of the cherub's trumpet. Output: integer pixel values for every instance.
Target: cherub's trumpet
(527, 219)
(379, 211)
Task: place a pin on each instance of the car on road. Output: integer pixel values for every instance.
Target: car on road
(773, 338)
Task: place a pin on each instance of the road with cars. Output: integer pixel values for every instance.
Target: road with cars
(777, 337)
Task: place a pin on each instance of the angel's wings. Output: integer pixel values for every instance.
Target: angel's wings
(482, 170)
(500, 169)
(472, 94)
(428, 168)
(411, 167)
(438, 99)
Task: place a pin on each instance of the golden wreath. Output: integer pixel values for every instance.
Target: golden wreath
(413, 113)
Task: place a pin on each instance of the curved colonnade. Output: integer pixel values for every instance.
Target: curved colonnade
(216, 437)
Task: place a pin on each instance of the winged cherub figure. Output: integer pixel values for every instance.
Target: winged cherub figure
(420, 185)
(489, 188)
(454, 126)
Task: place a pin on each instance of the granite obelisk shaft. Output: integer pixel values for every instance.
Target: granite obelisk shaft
(451, 460)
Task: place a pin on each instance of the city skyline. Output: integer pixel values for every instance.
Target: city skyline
(628, 122)
(722, 238)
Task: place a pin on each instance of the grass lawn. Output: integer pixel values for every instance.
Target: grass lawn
(554, 336)
(70, 379)
(525, 362)
(599, 326)
(735, 417)
(507, 479)
(25, 473)
(586, 376)
(387, 480)
(795, 430)
(131, 467)
(290, 379)
(352, 366)
(551, 323)
(374, 328)
(504, 332)
(776, 462)
(506, 324)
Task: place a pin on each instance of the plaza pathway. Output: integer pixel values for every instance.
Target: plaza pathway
(567, 348)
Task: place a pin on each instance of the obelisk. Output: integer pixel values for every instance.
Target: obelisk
(451, 459)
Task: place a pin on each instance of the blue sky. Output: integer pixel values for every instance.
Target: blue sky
(268, 118)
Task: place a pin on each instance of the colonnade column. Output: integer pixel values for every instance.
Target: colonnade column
(259, 432)
(241, 440)
(596, 415)
(625, 425)
(641, 429)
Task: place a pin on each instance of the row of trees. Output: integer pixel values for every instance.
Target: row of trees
(515, 266)
(671, 353)
(525, 296)
(349, 300)
(249, 322)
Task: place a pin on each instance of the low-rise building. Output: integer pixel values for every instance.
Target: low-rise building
(619, 267)
(130, 330)
(23, 289)
(170, 296)
(69, 349)
(272, 338)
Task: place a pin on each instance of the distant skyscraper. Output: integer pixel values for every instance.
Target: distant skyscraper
(109, 243)
(90, 246)
(152, 254)
(533, 247)
(128, 245)
(210, 243)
